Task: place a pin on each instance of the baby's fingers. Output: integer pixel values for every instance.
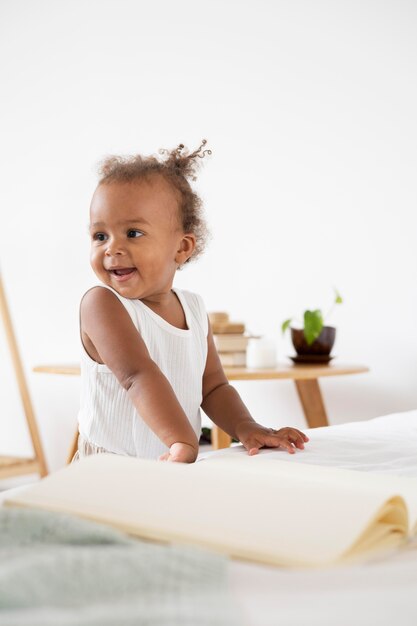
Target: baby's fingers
(295, 436)
(304, 437)
(297, 441)
(286, 445)
(277, 441)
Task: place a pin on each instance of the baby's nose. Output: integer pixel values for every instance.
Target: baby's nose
(114, 248)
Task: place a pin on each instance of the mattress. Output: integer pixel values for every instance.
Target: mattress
(382, 590)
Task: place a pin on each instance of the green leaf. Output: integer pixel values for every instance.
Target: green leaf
(338, 297)
(313, 325)
(285, 325)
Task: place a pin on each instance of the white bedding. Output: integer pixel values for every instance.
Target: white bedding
(382, 591)
(385, 444)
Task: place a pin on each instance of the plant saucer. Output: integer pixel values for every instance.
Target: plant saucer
(312, 358)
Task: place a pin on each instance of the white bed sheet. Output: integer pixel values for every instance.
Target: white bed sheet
(385, 444)
(380, 592)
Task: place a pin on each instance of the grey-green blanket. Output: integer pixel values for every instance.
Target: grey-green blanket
(58, 570)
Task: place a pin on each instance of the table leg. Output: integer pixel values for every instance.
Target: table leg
(312, 402)
(74, 447)
(219, 439)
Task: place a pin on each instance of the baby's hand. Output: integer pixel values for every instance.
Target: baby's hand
(254, 436)
(180, 453)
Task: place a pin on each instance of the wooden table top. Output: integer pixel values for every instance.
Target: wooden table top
(281, 371)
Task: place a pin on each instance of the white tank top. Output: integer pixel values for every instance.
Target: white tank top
(107, 417)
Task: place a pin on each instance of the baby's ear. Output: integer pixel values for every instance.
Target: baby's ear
(186, 248)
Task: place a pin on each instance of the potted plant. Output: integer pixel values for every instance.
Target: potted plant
(313, 342)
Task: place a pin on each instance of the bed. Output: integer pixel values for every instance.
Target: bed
(382, 590)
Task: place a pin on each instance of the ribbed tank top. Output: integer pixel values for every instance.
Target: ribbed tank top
(107, 417)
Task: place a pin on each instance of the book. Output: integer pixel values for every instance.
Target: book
(232, 359)
(231, 342)
(218, 317)
(221, 324)
(269, 511)
(230, 328)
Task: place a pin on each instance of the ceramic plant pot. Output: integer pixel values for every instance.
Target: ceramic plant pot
(322, 346)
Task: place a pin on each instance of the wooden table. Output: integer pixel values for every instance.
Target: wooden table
(305, 378)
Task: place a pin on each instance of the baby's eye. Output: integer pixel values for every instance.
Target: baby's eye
(99, 237)
(134, 233)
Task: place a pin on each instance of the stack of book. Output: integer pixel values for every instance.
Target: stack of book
(229, 339)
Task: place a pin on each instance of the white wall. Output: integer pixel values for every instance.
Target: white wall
(309, 108)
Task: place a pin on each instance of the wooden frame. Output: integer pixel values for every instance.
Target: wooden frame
(17, 466)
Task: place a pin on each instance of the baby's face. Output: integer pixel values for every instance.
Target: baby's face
(137, 241)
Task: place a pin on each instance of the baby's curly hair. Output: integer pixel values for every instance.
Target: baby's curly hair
(177, 166)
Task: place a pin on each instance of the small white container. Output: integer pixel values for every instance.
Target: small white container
(261, 353)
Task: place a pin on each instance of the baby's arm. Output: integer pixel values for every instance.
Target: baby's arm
(224, 406)
(110, 337)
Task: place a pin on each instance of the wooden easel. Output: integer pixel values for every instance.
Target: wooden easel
(17, 466)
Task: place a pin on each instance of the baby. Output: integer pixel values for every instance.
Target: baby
(149, 361)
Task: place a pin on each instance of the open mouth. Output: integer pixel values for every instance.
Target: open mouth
(122, 273)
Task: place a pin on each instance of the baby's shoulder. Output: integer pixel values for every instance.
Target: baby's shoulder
(100, 298)
(191, 298)
(194, 302)
(99, 294)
